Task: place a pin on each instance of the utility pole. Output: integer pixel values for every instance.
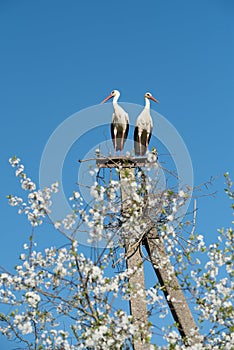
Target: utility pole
(171, 287)
(138, 307)
(157, 255)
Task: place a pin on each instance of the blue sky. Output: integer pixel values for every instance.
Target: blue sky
(58, 57)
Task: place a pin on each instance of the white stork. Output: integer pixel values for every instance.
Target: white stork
(120, 122)
(143, 127)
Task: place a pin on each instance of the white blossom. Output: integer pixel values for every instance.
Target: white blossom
(19, 170)
(32, 298)
(24, 325)
(151, 157)
(14, 161)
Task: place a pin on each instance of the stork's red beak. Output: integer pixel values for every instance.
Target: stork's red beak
(154, 99)
(107, 98)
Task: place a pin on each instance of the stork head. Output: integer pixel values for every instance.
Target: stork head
(114, 93)
(150, 97)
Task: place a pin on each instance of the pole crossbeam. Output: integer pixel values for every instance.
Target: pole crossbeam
(125, 162)
(157, 255)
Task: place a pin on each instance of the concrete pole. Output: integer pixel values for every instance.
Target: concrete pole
(138, 307)
(171, 288)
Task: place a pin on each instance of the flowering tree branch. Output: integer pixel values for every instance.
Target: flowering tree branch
(60, 298)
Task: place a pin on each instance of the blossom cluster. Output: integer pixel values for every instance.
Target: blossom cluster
(38, 202)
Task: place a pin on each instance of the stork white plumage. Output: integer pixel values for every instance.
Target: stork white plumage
(120, 122)
(143, 127)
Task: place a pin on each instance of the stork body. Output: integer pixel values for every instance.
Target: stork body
(119, 123)
(143, 127)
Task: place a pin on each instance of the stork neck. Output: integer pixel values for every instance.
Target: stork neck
(147, 103)
(116, 97)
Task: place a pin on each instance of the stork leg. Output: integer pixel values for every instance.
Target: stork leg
(115, 140)
(122, 140)
(115, 145)
(147, 141)
(140, 144)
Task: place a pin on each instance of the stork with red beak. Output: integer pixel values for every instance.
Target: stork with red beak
(143, 127)
(120, 122)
